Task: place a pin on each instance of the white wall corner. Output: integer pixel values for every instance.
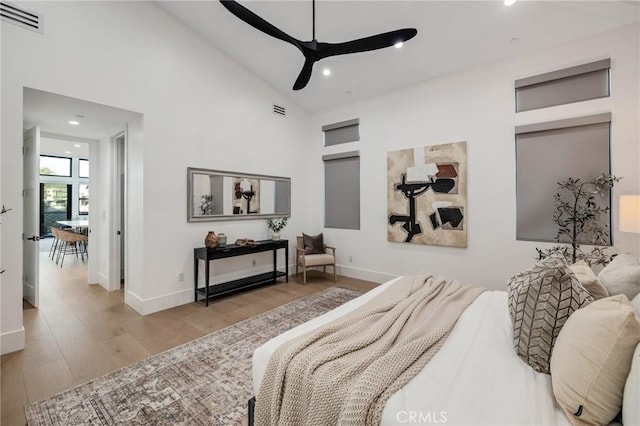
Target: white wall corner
(135, 301)
(103, 280)
(12, 341)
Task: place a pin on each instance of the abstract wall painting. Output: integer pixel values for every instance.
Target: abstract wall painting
(245, 196)
(427, 195)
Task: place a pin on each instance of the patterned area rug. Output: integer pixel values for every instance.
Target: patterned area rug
(203, 382)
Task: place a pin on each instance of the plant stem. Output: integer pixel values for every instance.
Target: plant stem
(574, 236)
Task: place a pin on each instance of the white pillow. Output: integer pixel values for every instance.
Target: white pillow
(631, 398)
(589, 280)
(591, 360)
(636, 304)
(622, 276)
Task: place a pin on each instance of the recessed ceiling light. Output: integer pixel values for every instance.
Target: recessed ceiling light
(515, 40)
(509, 2)
(398, 45)
(78, 145)
(67, 152)
(326, 72)
(79, 116)
(74, 122)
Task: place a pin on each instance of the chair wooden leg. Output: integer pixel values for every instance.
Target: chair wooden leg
(297, 263)
(335, 280)
(304, 275)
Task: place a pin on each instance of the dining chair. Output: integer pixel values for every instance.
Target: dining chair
(71, 243)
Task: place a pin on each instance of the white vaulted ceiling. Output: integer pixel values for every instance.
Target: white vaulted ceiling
(452, 36)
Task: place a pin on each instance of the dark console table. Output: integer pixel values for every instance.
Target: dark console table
(232, 250)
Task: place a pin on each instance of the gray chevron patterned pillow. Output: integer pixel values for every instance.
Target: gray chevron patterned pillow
(540, 301)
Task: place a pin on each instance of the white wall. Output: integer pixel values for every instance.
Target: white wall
(200, 109)
(476, 106)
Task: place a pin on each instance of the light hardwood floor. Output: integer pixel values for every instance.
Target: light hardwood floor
(81, 331)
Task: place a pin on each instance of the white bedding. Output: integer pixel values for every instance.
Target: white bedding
(475, 379)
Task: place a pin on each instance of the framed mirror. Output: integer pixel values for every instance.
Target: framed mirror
(214, 195)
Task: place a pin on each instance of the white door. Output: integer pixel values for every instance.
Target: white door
(31, 222)
(117, 199)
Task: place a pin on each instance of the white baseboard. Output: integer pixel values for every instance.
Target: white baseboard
(165, 301)
(181, 297)
(351, 272)
(12, 341)
(365, 274)
(135, 301)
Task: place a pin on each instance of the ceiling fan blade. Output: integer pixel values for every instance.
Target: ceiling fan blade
(305, 74)
(366, 44)
(257, 22)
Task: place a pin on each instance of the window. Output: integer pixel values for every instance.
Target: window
(83, 168)
(547, 153)
(55, 166)
(575, 84)
(342, 190)
(55, 205)
(83, 199)
(343, 132)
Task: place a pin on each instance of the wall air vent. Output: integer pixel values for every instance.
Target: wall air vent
(20, 16)
(279, 109)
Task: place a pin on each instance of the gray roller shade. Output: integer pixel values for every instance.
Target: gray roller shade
(343, 132)
(575, 84)
(342, 190)
(547, 153)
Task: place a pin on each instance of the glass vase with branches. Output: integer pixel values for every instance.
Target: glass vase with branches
(579, 218)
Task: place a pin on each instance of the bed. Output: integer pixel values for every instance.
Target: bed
(475, 378)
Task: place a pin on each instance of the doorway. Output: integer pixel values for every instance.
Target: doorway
(89, 197)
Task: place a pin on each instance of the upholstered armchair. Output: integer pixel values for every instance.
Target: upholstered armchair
(313, 258)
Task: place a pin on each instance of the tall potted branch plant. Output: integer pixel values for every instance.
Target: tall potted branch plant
(578, 217)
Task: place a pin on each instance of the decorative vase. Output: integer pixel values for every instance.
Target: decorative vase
(211, 240)
(275, 236)
(222, 240)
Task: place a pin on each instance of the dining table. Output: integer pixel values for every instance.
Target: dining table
(76, 224)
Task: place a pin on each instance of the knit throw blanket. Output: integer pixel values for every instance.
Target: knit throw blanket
(344, 373)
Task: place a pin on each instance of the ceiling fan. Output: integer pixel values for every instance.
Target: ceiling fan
(314, 50)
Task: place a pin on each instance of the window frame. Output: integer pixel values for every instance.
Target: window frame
(70, 175)
(80, 160)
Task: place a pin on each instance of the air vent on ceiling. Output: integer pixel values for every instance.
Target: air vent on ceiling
(279, 109)
(20, 16)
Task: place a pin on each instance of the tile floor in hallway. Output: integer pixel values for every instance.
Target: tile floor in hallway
(81, 331)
